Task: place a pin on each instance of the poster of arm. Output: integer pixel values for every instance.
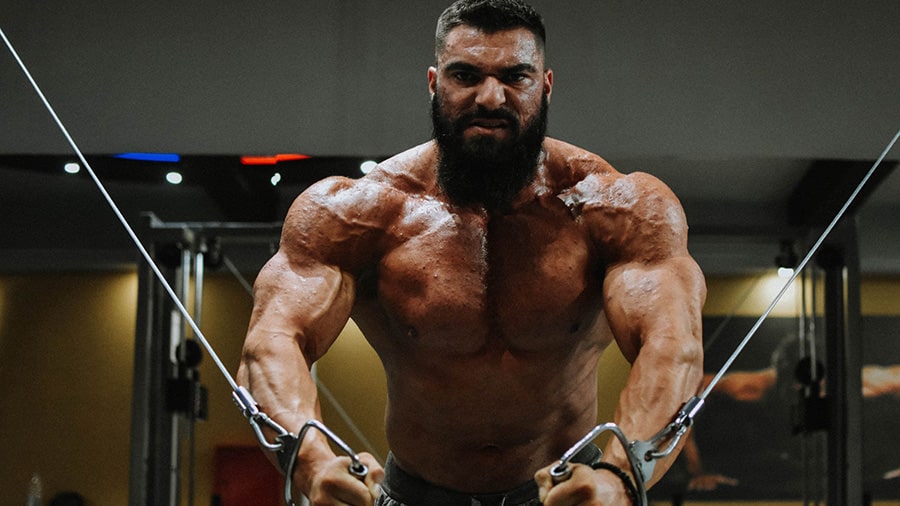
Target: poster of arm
(748, 443)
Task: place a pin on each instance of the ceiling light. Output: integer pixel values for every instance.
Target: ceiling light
(367, 166)
(150, 157)
(276, 178)
(174, 177)
(72, 168)
(272, 160)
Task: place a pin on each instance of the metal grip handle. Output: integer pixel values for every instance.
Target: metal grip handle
(562, 471)
(358, 469)
(287, 445)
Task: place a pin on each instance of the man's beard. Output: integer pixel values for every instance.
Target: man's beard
(485, 170)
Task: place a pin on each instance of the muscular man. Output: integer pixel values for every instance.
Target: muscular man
(489, 269)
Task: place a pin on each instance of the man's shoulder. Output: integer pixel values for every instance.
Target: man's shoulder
(343, 203)
(626, 212)
(568, 164)
(373, 199)
(341, 221)
(589, 170)
(406, 173)
(411, 172)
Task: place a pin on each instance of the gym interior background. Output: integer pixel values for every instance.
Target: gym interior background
(762, 118)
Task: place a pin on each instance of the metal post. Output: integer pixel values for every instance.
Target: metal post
(153, 432)
(840, 262)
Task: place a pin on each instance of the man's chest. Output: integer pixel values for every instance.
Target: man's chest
(528, 275)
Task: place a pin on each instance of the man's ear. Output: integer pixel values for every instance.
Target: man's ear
(548, 83)
(432, 80)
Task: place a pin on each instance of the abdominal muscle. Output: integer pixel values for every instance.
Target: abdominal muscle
(485, 421)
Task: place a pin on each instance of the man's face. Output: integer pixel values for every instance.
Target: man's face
(489, 107)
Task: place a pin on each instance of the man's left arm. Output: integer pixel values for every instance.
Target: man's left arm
(653, 295)
(654, 310)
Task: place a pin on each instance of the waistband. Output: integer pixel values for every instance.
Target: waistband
(413, 491)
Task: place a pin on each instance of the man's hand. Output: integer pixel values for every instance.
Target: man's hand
(333, 484)
(586, 486)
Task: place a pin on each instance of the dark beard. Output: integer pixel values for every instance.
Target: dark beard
(484, 170)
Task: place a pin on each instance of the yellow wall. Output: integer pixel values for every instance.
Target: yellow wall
(66, 353)
(747, 295)
(65, 371)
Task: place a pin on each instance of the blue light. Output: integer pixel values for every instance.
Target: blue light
(150, 157)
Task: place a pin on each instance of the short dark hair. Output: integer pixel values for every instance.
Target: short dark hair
(489, 16)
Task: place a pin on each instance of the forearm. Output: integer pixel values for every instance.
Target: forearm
(660, 382)
(277, 376)
(298, 313)
(655, 313)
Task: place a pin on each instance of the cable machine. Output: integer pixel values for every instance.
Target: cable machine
(168, 397)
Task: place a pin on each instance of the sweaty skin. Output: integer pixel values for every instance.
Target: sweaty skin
(489, 325)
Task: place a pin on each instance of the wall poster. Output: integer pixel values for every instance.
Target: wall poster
(744, 445)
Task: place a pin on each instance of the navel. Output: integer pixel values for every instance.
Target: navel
(490, 448)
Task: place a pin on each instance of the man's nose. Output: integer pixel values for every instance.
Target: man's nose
(491, 93)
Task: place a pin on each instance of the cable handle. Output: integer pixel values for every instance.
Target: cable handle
(641, 469)
(287, 445)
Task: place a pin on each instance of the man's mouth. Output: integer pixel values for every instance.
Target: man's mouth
(488, 125)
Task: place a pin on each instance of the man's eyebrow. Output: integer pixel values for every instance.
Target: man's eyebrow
(521, 67)
(468, 67)
(459, 65)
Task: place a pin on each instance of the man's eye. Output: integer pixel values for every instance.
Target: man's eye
(465, 77)
(515, 78)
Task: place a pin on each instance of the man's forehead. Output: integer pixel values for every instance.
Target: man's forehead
(516, 45)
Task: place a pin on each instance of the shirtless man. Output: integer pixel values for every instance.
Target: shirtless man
(489, 269)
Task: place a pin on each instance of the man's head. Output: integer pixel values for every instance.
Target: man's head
(489, 16)
(490, 91)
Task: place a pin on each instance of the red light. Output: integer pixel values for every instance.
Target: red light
(271, 160)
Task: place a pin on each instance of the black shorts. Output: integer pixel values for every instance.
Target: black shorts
(403, 489)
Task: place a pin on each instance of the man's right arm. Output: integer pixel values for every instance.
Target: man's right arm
(302, 300)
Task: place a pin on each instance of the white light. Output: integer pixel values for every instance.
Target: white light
(785, 272)
(174, 177)
(72, 168)
(367, 166)
(276, 178)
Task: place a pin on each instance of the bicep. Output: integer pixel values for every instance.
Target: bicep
(308, 302)
(658, 303)
(653, 289)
